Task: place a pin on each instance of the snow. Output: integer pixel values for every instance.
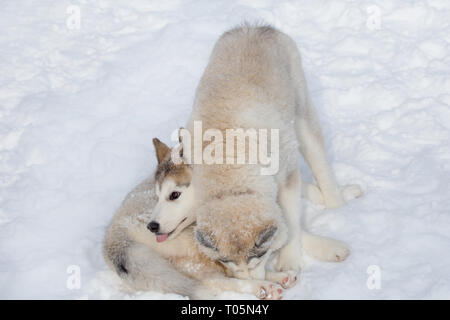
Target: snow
(79, 107)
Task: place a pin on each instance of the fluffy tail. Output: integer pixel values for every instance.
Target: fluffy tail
(142, 269)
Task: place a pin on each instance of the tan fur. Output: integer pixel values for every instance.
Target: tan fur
(237, 236)
(245, 86)
(180, 173)
(173, 266)
(162, 151)
(254, 79)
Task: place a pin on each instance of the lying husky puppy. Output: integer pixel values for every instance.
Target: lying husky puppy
(169, 261)
(254, 80)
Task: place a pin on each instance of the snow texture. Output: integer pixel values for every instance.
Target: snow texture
(79, 107)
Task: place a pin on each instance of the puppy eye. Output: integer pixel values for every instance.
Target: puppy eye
(259, 255)
(174, 195)
(256, 256)
(224, 260)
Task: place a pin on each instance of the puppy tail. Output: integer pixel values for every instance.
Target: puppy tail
(143, 270)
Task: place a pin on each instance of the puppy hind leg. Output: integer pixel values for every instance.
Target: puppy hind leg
(313, 150)
(312, 193)
(324, 248)
(309, 134)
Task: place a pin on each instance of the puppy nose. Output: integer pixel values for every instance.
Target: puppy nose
(153, 226)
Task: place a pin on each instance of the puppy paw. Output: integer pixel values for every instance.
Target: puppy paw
(340, 252)
(327, 249)
(312, 193)
(289, 258)
(285, 279)
(269, 291)
(334, 202)
(289, 279)
(351, 191)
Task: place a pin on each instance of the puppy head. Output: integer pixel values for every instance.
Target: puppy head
(175, 192)
(240, 232)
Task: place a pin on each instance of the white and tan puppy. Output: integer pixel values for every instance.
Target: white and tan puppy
(171, 262)
(254, 80)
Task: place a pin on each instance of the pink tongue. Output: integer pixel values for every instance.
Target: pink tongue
(161, 237)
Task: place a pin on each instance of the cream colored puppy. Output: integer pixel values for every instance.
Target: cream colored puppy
(254, 80)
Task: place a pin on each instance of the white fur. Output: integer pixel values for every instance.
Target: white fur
(290, 257)
(170, 214)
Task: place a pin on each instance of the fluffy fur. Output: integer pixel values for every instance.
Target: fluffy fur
(254, 79)
(175, 265)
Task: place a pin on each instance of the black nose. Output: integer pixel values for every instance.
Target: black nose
(153, 226)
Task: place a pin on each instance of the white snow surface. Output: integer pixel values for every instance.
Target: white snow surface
(78, 110)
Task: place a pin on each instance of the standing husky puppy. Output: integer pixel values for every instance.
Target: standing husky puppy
(254, 80)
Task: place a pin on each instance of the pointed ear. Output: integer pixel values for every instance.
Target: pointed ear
(161, 149)
(204, 239)
(265, 236)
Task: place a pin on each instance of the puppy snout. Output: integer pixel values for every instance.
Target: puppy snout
(153, 226)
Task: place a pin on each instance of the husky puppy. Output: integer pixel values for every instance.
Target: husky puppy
(166, 258)
(254, 80)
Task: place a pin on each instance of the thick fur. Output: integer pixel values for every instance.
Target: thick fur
(131, 250)
(254, 79)
(175, 265)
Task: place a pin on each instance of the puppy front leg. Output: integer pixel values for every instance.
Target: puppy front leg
(285, 279)
(264, 290)
(290, 256)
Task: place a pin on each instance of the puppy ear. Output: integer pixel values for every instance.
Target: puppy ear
(161, 149)
(265, 236)
(205, 240)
